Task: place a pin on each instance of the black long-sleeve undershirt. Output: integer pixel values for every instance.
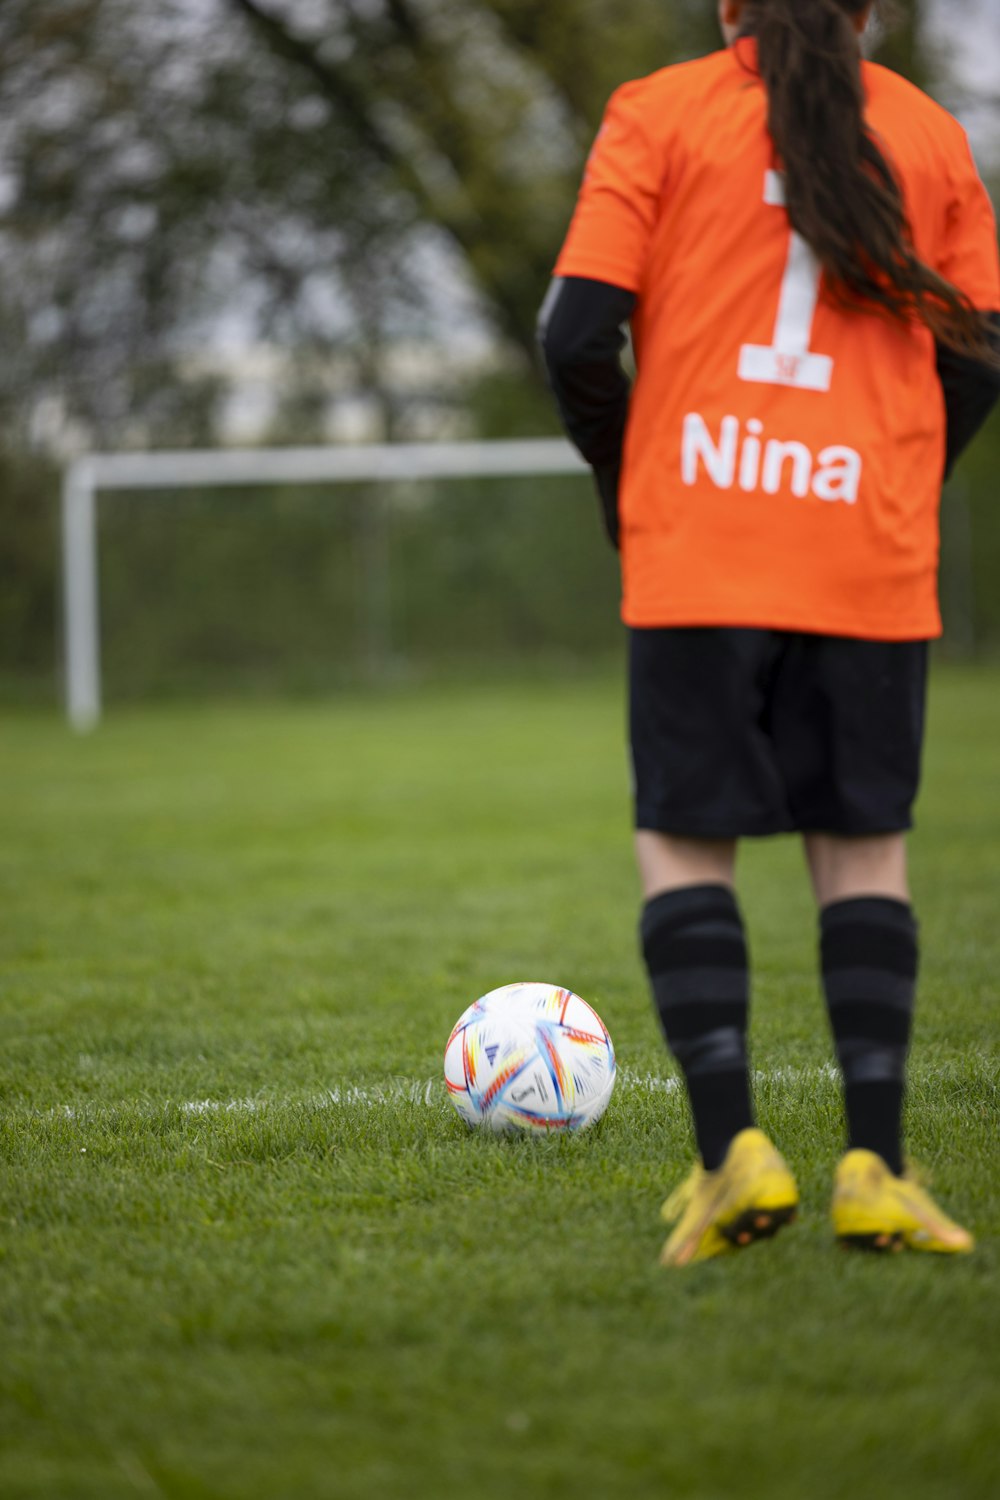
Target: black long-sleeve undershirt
(971, 390)
(581, 332)
(581, 335)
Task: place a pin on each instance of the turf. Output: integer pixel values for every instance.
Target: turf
(247, 1249)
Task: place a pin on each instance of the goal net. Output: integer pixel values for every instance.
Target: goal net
(438, 543)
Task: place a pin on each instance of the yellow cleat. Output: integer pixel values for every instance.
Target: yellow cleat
(750, 1197)
(873, 1209)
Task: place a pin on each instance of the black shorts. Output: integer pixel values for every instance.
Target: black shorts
(740, 733)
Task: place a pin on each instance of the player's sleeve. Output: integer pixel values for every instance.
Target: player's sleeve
(967, 253)
(619, 201)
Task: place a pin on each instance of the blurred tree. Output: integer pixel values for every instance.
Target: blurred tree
(167, 186)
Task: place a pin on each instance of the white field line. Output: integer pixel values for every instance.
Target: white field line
(427, 1092)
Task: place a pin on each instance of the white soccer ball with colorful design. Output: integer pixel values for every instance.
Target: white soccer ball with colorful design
(530, 1057)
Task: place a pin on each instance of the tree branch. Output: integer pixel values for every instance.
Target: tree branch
(466, 218)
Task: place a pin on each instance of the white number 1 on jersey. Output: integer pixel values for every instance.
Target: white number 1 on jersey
(789, 360)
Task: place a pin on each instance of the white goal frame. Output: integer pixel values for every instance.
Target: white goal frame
(373, 463)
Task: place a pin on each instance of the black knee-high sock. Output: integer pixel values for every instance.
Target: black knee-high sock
(696, 955)
(869, 949)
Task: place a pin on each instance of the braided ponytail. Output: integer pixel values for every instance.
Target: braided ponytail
(842, 195)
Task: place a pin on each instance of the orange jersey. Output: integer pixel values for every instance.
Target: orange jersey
(784, 455)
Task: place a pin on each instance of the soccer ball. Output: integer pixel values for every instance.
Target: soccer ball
(530, 1057)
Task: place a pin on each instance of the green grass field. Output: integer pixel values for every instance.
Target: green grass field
(248, 1251)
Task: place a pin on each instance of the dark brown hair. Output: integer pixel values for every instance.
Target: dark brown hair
(843, 197)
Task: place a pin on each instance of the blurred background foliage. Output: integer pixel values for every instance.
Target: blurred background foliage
(354, 204)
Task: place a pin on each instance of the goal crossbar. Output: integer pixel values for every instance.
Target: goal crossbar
(373, 463)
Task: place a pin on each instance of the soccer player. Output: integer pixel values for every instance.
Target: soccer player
(808, 260)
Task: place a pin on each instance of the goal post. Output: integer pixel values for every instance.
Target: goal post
(86, 477)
